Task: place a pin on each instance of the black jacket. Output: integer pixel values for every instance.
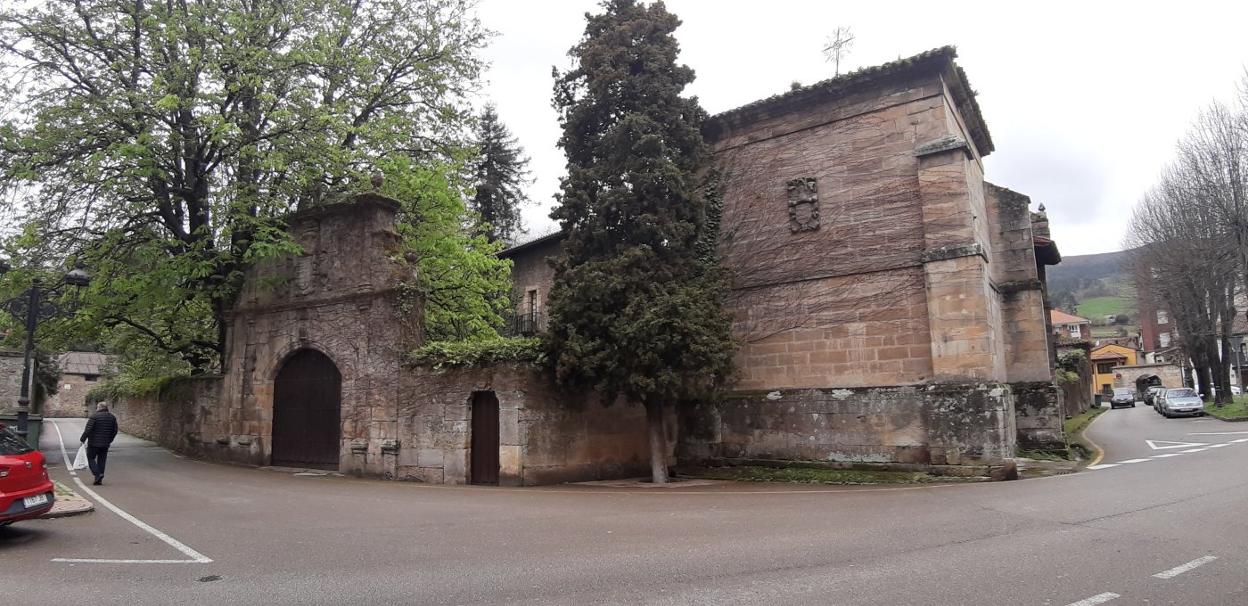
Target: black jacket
(101, 429)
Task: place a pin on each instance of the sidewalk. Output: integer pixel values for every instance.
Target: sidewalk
(68, 503)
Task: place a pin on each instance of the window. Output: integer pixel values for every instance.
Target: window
(1163, 339)
(1163, 317)
(532, 301)
(1074, 330)
(90, 378)
(1105, 368)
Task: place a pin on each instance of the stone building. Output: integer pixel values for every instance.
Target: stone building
(80, 370)
(316, 378)
(890, 303)
(890, 306)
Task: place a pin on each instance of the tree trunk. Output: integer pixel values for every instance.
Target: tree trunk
(658, 442)
(1222, 378)
(1204, 379)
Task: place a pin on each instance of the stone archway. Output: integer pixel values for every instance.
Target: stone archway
(307, 405)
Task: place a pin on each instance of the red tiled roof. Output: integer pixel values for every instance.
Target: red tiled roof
(1060, 317)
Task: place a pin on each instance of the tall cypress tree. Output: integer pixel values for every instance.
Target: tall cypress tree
(500, 173)
(635, 309)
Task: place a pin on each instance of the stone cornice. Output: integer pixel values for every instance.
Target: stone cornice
(953, 251)
(943, 144)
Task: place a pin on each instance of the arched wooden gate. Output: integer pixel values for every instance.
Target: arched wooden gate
(307, 401)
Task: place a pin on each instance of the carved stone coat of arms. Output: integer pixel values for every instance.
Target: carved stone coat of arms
(803, 204)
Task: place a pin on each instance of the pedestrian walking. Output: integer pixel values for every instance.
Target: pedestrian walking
(98, 436)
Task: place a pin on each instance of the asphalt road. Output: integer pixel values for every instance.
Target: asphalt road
(278, 538)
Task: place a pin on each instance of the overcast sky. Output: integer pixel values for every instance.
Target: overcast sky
(1084, 100)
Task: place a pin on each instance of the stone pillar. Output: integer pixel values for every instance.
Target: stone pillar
(964, 316)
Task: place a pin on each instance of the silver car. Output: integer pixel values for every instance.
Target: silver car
(1181, 402)
(1122, 396)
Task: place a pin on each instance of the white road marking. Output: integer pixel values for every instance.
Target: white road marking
(1129, 461)
(196, 557)
(1220, 445)
(104, 561)
(1168, 454)
(1102, 466)
(1178, 570)
(1239, 441)
(1099, 598)
(1195, 450)
(1157, 444)
(60, 439)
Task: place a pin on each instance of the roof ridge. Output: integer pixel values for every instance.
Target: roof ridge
(958, 85)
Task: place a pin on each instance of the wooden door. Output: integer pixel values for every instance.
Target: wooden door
(484, 438)
(307, 402)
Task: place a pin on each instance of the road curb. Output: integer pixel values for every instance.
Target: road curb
(68, 503)
(1100, 452)
(1227, 419)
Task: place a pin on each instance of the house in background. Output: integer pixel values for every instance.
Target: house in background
(1105, 361)
(1067, 327)
(79, 372)
(1131, 341)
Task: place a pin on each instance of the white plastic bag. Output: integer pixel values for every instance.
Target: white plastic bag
(80, 460)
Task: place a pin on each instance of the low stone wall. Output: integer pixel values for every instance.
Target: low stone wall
(1040, 415)
(174, 417)
(946, 424)
(1077, 396)
(547, 435)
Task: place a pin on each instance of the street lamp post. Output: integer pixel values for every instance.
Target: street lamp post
(32, 305)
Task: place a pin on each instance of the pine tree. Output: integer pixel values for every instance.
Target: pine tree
(500, 174)
(636, 310)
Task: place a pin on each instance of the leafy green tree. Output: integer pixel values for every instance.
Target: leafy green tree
(636, 310)
(463, 286)
(162, 143)
(500, 173)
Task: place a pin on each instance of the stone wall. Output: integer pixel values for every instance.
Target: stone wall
(176, 417)
(1041, 413)
(1170, 375)
(11, 363)
(546, 435)
(845, 331)
(70, 400)
(951, 424)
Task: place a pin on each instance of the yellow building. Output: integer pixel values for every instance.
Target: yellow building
(1104, 360)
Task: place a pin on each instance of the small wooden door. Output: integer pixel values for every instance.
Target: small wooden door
(307, 399)
(484, 438)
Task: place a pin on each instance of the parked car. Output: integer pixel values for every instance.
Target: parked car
(1150, 395)
(25, 489)
(1182, 401)
(1122, 396)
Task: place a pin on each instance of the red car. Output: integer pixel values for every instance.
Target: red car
(25, 489)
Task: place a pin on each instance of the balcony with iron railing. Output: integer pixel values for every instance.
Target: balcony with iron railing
(524, 323)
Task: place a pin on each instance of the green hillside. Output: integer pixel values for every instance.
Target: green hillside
(1096, 308)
